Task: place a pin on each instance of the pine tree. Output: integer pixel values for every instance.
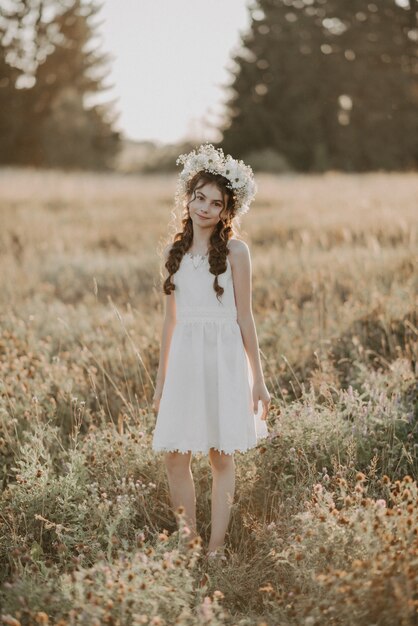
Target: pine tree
(373, 129)
(10, 106)
(59, 128)
(327, 83)
(278, 98)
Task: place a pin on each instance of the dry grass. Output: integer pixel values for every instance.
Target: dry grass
(324, 524)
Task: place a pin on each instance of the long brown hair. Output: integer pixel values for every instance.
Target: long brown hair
(222, 232)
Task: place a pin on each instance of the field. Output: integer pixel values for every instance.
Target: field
(324, 527)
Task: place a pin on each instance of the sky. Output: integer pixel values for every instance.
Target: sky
(169, 60)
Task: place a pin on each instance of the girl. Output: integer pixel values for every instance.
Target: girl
(209, 381)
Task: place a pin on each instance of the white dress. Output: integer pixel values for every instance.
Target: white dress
(206, 400)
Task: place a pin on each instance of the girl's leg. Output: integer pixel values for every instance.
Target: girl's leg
(223, 489)
(181, 486)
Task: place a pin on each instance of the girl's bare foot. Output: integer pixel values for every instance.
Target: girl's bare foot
(216, 556)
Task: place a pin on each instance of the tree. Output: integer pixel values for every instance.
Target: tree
(327, 83)
(10, 107)
(59, 74)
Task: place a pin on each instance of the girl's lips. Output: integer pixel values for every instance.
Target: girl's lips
(203, 218)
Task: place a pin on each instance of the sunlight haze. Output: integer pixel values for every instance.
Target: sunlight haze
(169, 63)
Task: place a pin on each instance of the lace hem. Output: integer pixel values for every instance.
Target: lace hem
(203, 450)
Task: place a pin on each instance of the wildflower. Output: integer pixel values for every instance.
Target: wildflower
(406, 494)
(206, 609)
(186, 530)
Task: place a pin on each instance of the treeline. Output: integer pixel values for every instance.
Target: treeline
(327, 84)
(316, 84)
(49, 69)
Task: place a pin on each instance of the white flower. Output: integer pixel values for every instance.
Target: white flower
(212, 159)
(235, 172)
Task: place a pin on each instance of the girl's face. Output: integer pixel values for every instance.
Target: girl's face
(206, 207)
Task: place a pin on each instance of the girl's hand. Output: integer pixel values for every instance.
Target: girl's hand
(260, 392)
(157, 395)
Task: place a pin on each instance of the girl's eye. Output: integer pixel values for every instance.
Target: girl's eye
(218, 205)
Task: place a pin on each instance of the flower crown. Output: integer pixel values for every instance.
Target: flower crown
(210, 159)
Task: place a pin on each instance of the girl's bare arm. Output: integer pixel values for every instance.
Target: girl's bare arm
(241, 267)
(168, 327)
